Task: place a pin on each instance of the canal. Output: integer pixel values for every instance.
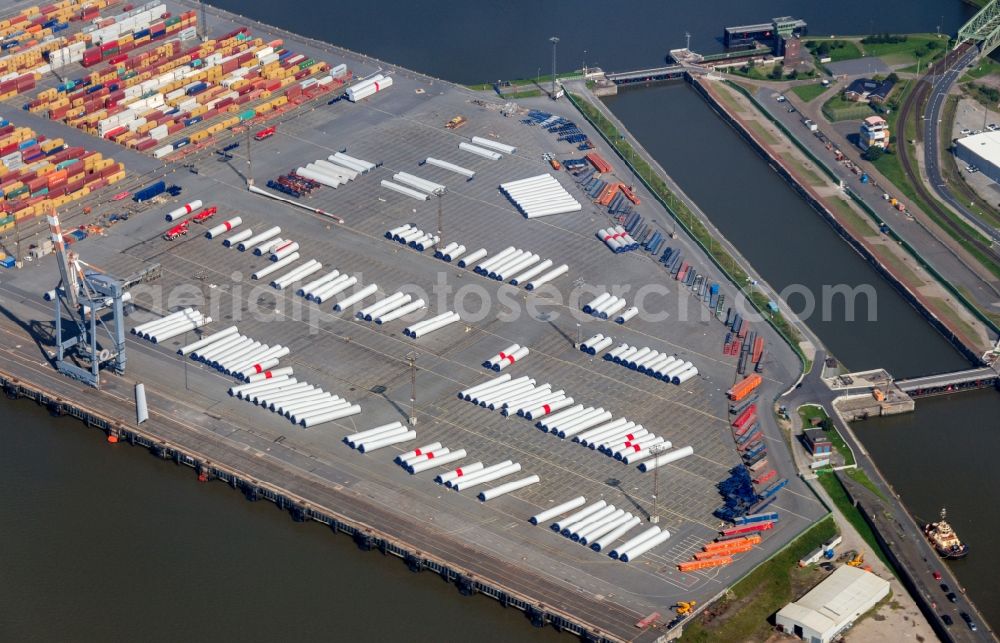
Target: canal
(936, 457)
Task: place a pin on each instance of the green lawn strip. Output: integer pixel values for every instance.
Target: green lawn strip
(946, 309)
(687, 218)
(744, 615)
(994, 317)
(758, 128)
(839, 49)
(531, 93)
(862, 478)
(731, 103)
(838, 109)
(985, 67)
(904, 269)
(838, 494)
(810, 91)
(850, 218)
(906, 52)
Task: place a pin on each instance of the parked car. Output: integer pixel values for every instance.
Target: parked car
(945, 588)
(951, 597)
(947, 620)
(968, 621)
(965, 131)
(937, 575)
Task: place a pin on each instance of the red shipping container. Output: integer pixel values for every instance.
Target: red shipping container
(229, 66)
(174, 128)
(18, 18)
(272, 85)
(24, 177)
(59, 113)
(8, 86)
(302, 74)
(293, 91)
(120, 58)
(35, 185)
(225, 102)
(6, 129)
(7, 149)
(57, 183)
(209, 114)
(115, 132)
(75, 184)
(28, 152)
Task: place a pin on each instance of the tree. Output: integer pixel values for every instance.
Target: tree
(778, 71)
(823, 50)
(892, 78)
(873, 153)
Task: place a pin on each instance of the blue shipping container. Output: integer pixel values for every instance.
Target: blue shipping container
(7, 262)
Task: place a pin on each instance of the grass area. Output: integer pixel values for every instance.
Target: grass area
(744, 614)
(812, 177)
(809, 411)
(687, 218)
(850, 218)
(520, 82)
(762, 133)
(838, 49)
(862, 478)
(838, 109)
(838, 493)
(731, 103)
(904, 269)
(755, 73)
(947, 309)
(809, 92)
(530, 93)
(923, 47)
(985, 67)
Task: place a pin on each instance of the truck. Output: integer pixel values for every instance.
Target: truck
(456, 122)
(176, 231)
(265, 133)
(205, 214)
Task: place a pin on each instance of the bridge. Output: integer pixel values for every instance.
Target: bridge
(945, 383)
(669, 72)
(983, 29)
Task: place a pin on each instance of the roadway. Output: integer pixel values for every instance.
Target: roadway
(939, 250)
(893, 521)
(939, 87)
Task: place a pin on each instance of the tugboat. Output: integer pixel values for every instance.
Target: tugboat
(944, 540)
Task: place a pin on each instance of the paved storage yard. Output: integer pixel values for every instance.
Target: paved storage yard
(366, 363)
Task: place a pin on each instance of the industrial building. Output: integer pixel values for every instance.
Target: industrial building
(770, 34)
(817, 442)
(833, 605)
(981, 151)
(874, 133)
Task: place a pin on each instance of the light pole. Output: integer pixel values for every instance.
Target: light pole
(538, 77)
(655, 451)
(411, 359)
(555, 41)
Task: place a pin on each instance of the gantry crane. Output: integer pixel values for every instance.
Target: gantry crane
(80, 304)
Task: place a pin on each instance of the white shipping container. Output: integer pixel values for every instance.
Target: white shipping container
(264, 51)
(268, 59)
(163, 151)
(338, 70)
(188, 33)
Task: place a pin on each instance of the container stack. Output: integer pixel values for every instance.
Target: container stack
(39, 175)
(181, 92)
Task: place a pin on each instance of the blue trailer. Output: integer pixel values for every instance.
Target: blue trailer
(150, 191)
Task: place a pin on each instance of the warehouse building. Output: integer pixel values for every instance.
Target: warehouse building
(982, 151)
(833, 605)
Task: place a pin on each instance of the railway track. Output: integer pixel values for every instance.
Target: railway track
(911, 107)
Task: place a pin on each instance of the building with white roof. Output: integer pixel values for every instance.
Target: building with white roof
(982, 151)
(833, 605)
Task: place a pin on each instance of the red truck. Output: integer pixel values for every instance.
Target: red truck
(267, 132)
(176, 231)
(205, 214)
